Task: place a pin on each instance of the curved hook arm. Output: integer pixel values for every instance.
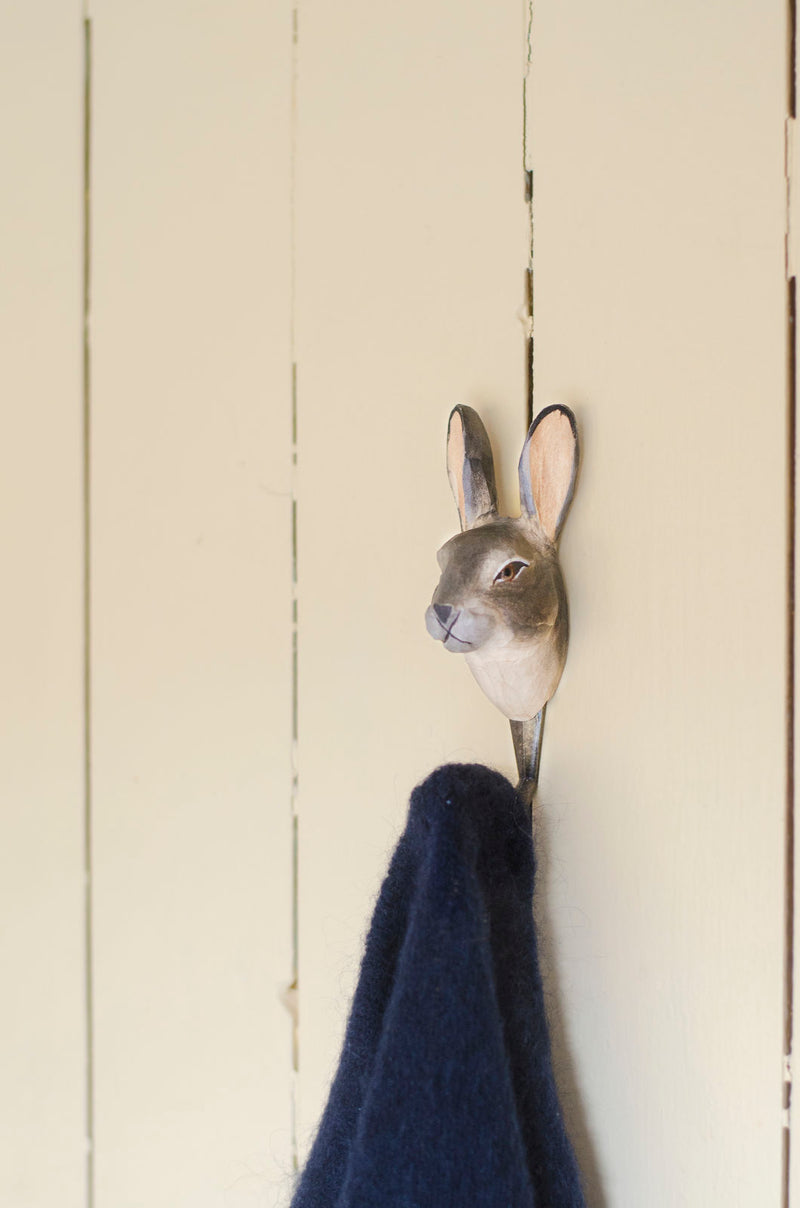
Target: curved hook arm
(527, 738)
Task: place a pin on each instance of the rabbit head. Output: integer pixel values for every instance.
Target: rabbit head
(501, 599)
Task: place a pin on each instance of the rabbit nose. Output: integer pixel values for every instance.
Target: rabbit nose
(443, 612)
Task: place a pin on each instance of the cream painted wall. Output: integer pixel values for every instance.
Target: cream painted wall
(660, 303)
(339, 188)
(42, 1005)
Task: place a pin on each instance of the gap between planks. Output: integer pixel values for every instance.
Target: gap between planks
(87, 605)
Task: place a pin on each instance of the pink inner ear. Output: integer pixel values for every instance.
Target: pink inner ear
(551, 455)
(455, 464)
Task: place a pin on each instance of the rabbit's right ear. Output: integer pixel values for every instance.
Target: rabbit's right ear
(548, 467)
(470, 466)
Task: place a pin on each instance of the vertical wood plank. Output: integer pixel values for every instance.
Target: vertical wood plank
(658, 162)
(42, 1007)
(412, 251)
(192, 602)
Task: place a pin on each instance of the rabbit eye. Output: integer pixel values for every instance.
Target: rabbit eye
(510, 571)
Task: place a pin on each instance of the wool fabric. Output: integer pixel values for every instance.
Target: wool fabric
(444, 1095)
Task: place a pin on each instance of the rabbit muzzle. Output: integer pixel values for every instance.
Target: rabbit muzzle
(458, 629)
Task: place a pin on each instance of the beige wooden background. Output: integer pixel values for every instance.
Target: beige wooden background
(252, 254)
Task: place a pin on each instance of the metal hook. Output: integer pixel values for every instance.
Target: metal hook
(527, 738)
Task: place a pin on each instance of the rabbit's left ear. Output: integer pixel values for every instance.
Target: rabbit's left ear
(548, 467)
(470, 466)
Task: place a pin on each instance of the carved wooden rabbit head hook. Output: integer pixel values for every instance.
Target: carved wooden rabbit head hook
(501, 599)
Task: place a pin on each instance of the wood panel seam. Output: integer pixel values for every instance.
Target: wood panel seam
(527, 167)
(295, 776)
(791, 438)
(87, 602)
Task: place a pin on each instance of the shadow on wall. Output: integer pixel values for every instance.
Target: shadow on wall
(569, 1094)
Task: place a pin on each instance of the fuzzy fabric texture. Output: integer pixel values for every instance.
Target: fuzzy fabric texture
(444, 1096)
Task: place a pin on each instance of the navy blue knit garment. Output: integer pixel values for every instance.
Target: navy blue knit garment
(444, 1096)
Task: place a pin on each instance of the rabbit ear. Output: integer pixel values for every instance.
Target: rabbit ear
(470, 466)
(548, 467)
